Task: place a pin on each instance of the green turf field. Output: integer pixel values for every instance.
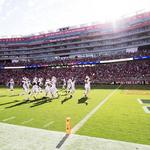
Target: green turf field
(122, 117)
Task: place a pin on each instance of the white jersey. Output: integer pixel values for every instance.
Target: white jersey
(28, 83)
(73, 84)
(69, 84)
(35, 88)
(87, 83)
(53, 89)
(47, 82)
(25, 85)
(53, 86)
(35, 80)
(64, 83)
(40, 82)
(47, 86)
(72, 89)
(11, 84)
(87, 86)
(53, 83)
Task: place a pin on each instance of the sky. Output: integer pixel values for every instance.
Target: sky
(25, 17)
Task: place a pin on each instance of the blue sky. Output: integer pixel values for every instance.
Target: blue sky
(24, 17)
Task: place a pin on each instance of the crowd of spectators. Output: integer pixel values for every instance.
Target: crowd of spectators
(135, 72)
(131, 72)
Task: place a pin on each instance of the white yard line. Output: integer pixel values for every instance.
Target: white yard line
(48, 124)
(8, 119)
(85, 119)
(27, 121)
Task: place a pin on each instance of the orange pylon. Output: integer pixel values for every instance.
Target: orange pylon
(68, 125)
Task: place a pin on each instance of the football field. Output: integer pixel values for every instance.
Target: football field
(110, 112)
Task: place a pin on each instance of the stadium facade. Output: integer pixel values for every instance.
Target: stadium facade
(126, 35)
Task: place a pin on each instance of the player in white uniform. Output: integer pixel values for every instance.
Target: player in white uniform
(35, 80)
(40, 84)
(25, 85)
(87, 86)
(53, 89)
(11, 84)
(72, 89)
(69, 86)
(47, 88)
(64, 83)
(28, 84)
(35, 88)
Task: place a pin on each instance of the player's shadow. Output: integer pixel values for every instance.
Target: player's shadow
(43, 101)
(24, 102)
(13, 95)
(83, 100)
(15, 101)
(66, 99)
(3, 95)
(62, 141)
(18, 104)
(64, 94)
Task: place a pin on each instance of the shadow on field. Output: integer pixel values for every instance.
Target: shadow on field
(83, 100)
(62, 141)
(64, 94)
(13, 95)
(3, 95)
(9, 102)
(66, 99)
(43, 101)
(25, 102)
(18, 104)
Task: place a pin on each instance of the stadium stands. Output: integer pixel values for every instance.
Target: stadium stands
(129, 34)
(61, 53)
(133, 72)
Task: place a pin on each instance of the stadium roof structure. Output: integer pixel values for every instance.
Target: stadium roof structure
(123, 19)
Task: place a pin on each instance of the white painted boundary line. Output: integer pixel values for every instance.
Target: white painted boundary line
(146, 109)
(139, 100)
(27, 121)
(84, 120)
(48, 124)
(10, 118)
